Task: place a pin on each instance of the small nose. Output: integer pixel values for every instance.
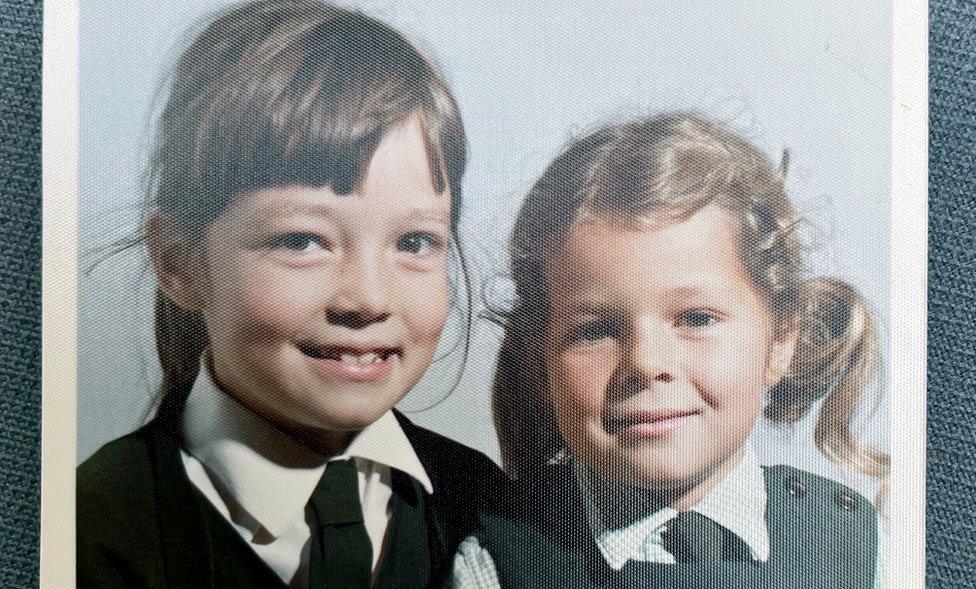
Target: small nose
(362, 295)
(354, 319)
(649, 356)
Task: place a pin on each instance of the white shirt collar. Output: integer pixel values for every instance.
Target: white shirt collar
(268, 473)
(737, 503)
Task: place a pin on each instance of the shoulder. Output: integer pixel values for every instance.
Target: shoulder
(454, 468)
(782, 480)
(541, 539)
(545, 507)
(538, 494)
(116, 520)
(434, 447)
(120, 471)
(800, 503)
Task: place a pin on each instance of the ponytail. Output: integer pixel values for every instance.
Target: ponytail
(835, 359)
(181, 337)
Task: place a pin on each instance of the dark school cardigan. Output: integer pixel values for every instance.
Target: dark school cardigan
(142, 523)
(822, 536)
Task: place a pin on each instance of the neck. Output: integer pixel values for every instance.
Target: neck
(328, 443)
(683, 495)
(623, 504)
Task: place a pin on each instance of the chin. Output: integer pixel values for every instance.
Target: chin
(659, 473)
(350, 418)
(344, 407)
(642, 476)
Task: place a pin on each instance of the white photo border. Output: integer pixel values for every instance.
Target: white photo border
(905, 566)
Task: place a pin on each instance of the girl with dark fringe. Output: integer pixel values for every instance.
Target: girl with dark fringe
(305, 191)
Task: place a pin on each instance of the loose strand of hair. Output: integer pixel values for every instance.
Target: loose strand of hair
(527, 433)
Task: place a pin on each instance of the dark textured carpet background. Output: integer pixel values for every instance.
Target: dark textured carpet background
(20, 290)
(951, 515)
(951, 533)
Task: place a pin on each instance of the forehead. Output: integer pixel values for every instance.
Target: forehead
(401, 164)
(602, 254)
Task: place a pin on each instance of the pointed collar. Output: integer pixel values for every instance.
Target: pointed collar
(737, 502)
(268, 473)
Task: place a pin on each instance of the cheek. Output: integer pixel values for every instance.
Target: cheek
(730, 377)
(259, 303)
(580, 382)
(426, 302)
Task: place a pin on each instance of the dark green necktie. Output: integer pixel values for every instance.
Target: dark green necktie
(341, 554)
(692, 537)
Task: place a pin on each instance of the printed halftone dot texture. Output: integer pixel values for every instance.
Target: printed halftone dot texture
(951, 515)
(20, 290)
(951, 532)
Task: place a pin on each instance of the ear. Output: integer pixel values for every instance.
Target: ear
(781, 356)
(178, 265)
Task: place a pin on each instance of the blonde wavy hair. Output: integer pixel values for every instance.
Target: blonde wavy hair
(665, 168)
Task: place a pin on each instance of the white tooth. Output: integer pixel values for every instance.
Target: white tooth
(368, 358)
(348, 358)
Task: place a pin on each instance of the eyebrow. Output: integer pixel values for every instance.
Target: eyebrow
(581, 304)
(438, 215)
(686, 292)
(582, 307)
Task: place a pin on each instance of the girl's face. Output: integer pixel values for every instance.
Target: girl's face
(324, 310)
(659, 349)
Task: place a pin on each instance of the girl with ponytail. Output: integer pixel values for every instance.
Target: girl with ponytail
(661, 308)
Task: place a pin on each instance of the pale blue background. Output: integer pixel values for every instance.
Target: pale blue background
(528, 76)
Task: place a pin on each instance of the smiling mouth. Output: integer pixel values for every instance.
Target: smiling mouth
(360, 363)
(648, 423)
(351, 355)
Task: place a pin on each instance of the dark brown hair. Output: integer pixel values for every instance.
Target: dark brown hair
(661, 169)
(285, 92)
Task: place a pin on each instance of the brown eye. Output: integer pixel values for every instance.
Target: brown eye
(297, 242)
(697, 318)
(593, 331)
(417, 243)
